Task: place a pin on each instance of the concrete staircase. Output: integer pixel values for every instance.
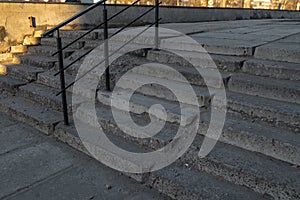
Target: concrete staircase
(258, 154)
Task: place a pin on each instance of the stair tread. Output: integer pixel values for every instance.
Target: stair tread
(263, 103)
(24, 71)
(39, 57)
(184, 182)
(288, 84)
(11, 82)
(276, 69)
(194, 76)
(46, 49)
(239, 131)
(232, 122)
(178, 85)
(283, 90)
(33, 114)
(239, 159)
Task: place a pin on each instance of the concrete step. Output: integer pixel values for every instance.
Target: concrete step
(192, 75)
(223, 62)
(256, 171)
(257, 136)
(48, 51)
(281, 90)
(65, 41)
(244, 133)
(175, 180)
(213, 45)
(35, 115)
(279, 51)
(47, 78)
(117, 46)
(72, 70)
(10, 83)
(156, 88)
(240, 132)
(250, 65)
(44, 95)
(279, 144)
(24, 72)
(77, 33)
(194, 185)
(273, 69)
(41, 61)
(278, 113)
(140, 104)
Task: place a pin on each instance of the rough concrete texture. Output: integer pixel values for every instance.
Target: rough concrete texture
(38, 167)
(256, 157)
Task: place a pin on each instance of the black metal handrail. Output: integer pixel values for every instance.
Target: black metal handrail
(60, 49)
(98, 26)
(113, 53)
(67, 21)
(118, 31)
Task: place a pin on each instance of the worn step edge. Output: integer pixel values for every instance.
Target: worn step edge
(44, 62)
(216, 166)
(201, 76)
(32, 114)
(24, 72)
(10, 83)
(276, 112)
(161, 181)
(281, 90)
(48, 51)
(184, 59)
(141, 104)
(132, 80)
(273, 69)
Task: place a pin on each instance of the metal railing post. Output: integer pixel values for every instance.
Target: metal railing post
(62, 79)
(156, 23)
(106, 57)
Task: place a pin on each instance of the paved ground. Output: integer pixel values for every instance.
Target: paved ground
(34, 166)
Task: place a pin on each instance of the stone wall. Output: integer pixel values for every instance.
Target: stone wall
(14, 15)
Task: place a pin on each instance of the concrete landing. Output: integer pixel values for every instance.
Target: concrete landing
(274, 39)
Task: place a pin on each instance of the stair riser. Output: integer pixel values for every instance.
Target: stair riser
(23, 117)
(269, 71)
(208, 165)
(277, 54)
(255, 142)
(75, 34)
(53, 104)
(161, 92)
(192, 78)
(23, 75)
(278, 119)
(267, 91)
(235, 175)
(210, 48)
(53, 43)
(43, 64)
(46, 52)
(140, 109)
(223, 63)
(10, 88)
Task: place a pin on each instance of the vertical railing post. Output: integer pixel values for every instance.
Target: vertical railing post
(106, 56)
(62, 79)
(156, 23)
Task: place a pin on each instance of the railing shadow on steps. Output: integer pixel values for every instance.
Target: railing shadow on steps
(104, 24)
